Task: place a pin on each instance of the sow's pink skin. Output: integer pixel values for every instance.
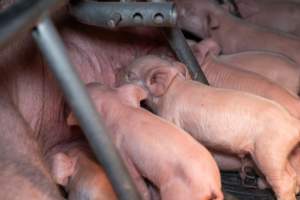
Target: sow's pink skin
(224, 120)
(155, 149)
(33, 108)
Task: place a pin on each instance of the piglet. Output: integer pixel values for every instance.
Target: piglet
(280, 15)
(224, 120)
(221, 73)
(207, 19)
(74, 167)
(276, 67)
(155, 149)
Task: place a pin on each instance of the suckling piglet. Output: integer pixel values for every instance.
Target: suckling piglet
(154, 148)
(224, 120)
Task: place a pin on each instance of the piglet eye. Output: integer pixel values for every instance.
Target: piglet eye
(126, 77)
(130, 76)
(152, 80)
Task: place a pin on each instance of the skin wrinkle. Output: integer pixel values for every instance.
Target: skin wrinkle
(38, 126)
(32, 174)
(86, 65)
(29, 158)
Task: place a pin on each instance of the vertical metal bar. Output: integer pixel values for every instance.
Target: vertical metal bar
(184, 53)
(54, 52)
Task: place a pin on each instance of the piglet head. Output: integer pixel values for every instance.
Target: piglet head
(128, 94)
(154, 74)
(247, 8)
(205, 48)
(198, 17)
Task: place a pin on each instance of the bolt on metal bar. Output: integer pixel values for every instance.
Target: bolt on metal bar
(54, 52)
(23, 16)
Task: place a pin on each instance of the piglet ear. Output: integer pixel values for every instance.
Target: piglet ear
(62, 168)
(159, 79)
(71, 120)
(133, 92)
(182, 69)
(213, 21)
(204, 48)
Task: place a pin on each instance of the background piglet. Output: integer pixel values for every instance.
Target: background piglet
(279, 15)
(207, 19)
(224, 120)
(223, 74)
(275, 67)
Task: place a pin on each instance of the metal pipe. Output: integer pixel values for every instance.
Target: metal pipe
(23, 16)
(124, 14)
(184, 53)
(54, 52)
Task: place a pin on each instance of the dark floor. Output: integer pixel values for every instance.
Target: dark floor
(233, 185)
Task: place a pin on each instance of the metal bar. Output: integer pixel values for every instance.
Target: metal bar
(184, 53)
(124, 14)
(23, 16)
(54, 52)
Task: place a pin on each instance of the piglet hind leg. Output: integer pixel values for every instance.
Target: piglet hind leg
(271, 157)
(183, 191)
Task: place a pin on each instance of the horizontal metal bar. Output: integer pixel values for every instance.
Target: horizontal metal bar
(125, 14)
(23, 16)
(54, 52)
